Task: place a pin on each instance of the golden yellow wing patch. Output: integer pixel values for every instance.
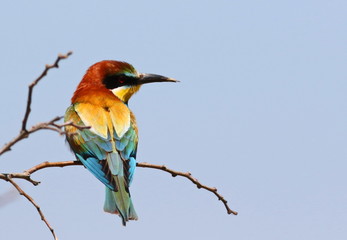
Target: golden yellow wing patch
(104, 119)
(120, 116)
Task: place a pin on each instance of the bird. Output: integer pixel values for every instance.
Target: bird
(102, 131)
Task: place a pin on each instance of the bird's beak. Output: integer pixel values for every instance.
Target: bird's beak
(150, 78)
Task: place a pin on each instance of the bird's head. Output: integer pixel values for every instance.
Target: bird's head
(120, 78)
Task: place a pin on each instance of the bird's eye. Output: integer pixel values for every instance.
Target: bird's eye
(122, 79)
(118, 80)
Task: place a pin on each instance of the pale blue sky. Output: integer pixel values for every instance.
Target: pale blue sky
(260, 113)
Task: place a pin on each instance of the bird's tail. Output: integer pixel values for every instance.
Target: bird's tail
(119, 202)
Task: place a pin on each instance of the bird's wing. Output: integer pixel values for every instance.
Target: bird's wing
(109, 147)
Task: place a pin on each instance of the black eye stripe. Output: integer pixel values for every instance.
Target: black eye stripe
(118, 80)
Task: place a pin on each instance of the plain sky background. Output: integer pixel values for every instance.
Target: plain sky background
(260, 113)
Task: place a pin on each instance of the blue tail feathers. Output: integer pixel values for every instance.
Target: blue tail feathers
(120, 203)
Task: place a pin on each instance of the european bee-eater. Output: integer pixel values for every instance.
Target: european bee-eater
(108, 148)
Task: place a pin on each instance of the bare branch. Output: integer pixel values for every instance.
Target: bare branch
(192, 179)
(30, 199)
(24, 133)
(50, 125)
(54, 126)
(27, 176)
(36, 81)
(52, 164)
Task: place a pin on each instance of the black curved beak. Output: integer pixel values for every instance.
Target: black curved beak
(151, 78)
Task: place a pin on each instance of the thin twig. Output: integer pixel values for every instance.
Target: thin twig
(36, 81)
(27, 176)
(52, 164)
(70, 123)
(24, 133)
(30, 199)
(54, 126)
(50, 125)
(192, 179)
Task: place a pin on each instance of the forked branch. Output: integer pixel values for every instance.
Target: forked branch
(24, 133)
(30, 199)
(27, 176)
(35, 82)
(54, 126)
